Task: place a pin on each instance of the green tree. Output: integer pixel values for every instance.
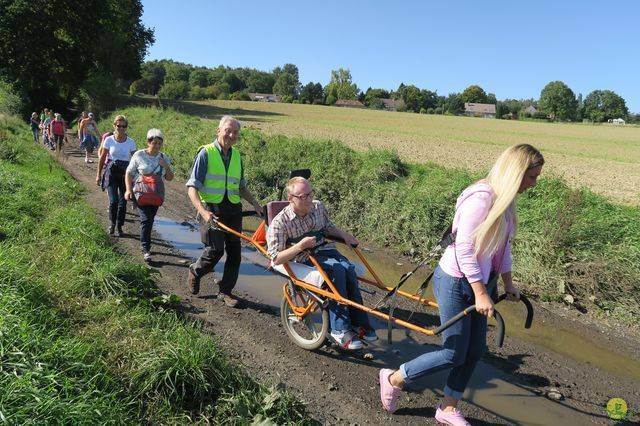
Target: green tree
(558, 100)
(603, 105)
(454, 104)
(312, 93)
(341, 86)
(153, 73)
(474, 94)
(260, 82)
(199, 77)
(372, 98)
(176, 71)
(287, 81)
(49, 50)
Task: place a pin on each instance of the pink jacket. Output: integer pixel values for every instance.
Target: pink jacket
(472, 208)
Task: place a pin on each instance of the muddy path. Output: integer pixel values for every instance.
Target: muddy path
(509, 387)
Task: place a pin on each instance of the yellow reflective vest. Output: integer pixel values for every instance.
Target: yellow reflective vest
(218, 179)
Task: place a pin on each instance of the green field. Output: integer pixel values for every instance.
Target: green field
(605, 158)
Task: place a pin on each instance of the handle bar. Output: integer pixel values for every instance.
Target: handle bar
(500, 335)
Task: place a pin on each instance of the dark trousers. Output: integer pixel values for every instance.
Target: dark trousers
(217, 242)
(117, 203)
(147, 215)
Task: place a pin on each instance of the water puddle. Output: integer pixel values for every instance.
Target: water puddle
(489, 388)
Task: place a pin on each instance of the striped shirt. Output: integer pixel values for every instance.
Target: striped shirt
(287, 226)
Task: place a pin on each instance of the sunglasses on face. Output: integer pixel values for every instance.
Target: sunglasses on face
(121, 126)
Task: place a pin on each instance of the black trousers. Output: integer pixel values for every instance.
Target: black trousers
(219, 242)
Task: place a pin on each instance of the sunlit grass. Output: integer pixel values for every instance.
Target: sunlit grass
(84, 339)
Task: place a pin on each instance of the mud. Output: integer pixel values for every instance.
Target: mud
(341, 388)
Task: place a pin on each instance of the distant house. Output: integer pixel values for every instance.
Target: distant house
(619, 121)
(264, 97)
(391, 104)
(349, 103)
(480, 110)
(530, 110)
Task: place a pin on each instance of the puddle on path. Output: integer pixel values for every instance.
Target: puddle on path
(487, 389)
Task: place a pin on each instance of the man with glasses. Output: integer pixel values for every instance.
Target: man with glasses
(301, 226)
(215, 187)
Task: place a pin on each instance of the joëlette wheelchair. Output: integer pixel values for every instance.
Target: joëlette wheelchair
(306, 294)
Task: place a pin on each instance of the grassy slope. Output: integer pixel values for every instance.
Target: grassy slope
(84, 336)
(570, 241)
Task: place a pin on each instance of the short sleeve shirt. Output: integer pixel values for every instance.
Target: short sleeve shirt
(119, 150)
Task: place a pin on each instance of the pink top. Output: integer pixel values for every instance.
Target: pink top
(472, 208)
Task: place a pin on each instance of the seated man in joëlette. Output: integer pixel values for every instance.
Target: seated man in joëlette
(301, 226)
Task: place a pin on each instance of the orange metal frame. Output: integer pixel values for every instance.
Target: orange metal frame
(332, 293)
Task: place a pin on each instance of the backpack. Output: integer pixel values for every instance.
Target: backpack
(149, 190)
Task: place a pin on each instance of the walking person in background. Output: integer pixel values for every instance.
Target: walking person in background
(215, 187)
(115, 155)
(43, 116)
(57, 129)
(484, 223)
(44, 125)
(34, 125)
(88, 131)
(147, 162)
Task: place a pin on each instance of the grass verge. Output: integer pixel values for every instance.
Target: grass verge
(85, 337)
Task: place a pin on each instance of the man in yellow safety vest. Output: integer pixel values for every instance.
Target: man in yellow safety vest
(215, 187)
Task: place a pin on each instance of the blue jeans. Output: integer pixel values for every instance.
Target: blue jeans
(117, 203)
(147, 215)
(34, 132)
(345, 280)
(464, 342)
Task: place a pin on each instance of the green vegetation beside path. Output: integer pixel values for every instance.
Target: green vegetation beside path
(85, 336)
(573, 246)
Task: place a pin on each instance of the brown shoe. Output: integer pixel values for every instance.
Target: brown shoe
(193, 282)
(228, 300)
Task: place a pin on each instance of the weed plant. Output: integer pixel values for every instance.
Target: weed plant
(85, 337)
(570, 241)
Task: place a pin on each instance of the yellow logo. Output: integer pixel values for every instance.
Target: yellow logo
(617, 408)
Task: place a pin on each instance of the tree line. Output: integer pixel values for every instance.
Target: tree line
(175, 80)
(60, 55)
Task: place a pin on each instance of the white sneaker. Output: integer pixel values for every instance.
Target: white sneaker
(347, 340)
(147, 256)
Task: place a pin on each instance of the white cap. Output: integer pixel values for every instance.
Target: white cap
(155, 133)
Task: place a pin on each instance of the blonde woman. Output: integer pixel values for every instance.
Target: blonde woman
(484, 222)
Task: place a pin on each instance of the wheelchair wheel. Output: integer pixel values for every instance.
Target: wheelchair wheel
(310, 331)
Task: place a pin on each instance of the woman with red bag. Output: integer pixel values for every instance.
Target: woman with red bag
(146, 170)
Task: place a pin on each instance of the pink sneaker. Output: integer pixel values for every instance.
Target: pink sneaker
(451, 418)
(389, 394)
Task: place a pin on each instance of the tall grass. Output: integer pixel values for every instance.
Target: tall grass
(570, 241)
(82, 338)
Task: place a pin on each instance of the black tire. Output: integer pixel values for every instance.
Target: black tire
(309, 332)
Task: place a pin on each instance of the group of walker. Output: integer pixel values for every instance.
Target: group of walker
(484, 223)
(51, 126)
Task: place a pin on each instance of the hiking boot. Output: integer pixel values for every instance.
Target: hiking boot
(193, 282)
(347, 340)
(111, 229)
(228, 300)
(389, 394)
(147, 256)
(366, 334)
(119, 232)
(451, 418)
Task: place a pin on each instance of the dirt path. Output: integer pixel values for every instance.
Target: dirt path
(340, 388)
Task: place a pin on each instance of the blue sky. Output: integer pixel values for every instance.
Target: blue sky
(509, 48)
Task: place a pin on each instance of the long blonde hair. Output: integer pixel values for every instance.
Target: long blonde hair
(505, 179)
